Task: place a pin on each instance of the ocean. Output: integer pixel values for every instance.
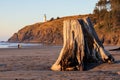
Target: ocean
(15, 45)
(29, 45)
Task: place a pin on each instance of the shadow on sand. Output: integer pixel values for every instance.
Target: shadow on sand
(89, 66)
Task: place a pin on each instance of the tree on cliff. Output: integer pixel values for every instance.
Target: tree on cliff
(108, 13)
(115, 8)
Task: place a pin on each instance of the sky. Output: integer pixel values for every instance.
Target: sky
(15, 14)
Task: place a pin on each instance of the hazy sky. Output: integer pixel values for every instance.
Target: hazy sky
(15, 14)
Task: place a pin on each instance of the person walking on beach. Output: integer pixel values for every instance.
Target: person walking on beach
(19, 46)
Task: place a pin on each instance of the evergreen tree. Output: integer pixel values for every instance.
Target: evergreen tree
(108, 12)
(115, 8)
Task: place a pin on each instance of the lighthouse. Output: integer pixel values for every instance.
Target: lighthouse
(45, 18)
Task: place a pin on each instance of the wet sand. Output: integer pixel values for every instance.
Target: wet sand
(34, 64)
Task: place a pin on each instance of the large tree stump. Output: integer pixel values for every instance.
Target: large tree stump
(81, 45)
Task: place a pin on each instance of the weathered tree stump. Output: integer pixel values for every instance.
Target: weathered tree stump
(81, 45)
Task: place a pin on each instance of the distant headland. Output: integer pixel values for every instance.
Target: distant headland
(51, 31)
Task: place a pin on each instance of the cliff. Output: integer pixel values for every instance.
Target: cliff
(51, 32)
(48, 32)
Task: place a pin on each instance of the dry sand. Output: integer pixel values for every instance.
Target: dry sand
(35, 63)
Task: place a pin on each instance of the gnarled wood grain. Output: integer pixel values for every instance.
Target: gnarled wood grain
(81, 45)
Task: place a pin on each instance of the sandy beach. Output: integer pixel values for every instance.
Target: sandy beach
(34, 64)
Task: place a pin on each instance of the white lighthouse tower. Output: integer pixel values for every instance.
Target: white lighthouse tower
(45, 18)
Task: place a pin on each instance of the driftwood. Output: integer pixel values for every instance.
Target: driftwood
(81, 46)
(117, 49)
